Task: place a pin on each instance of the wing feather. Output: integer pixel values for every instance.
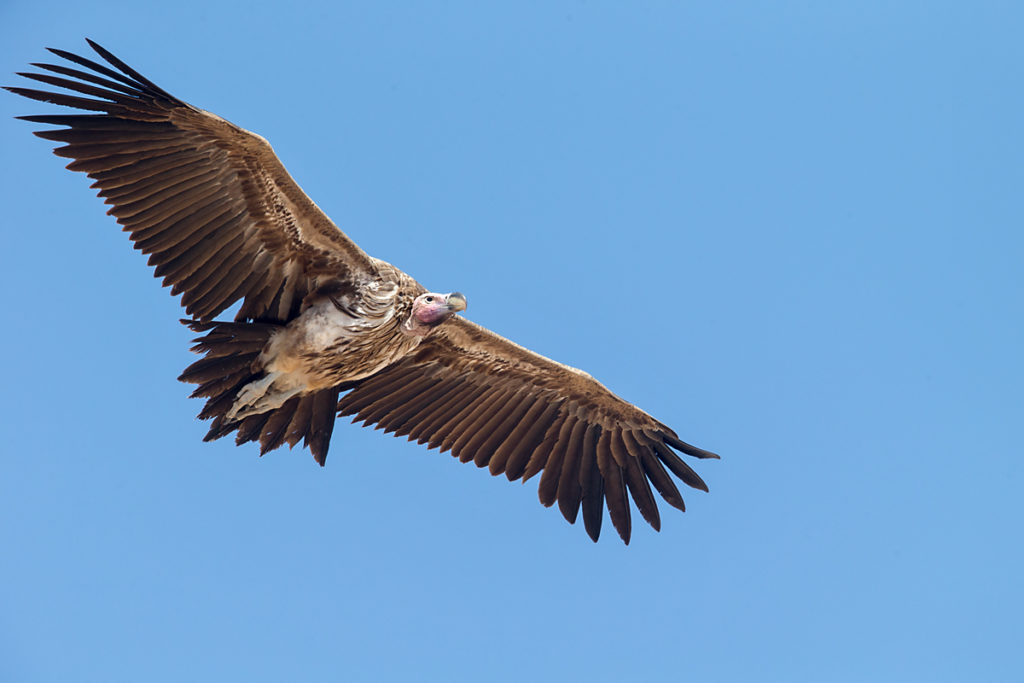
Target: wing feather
(522, 432)
(636, 482)
(436, 414)
(422, 425)
(542, 451)
(570, 490)
(473, 426)
(614, 485)
(419, 413)
(519, 457)
(454, 417)
(591, 482)
(504, 420)
(547, 490)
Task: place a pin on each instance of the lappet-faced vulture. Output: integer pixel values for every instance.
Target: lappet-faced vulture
(323, 328)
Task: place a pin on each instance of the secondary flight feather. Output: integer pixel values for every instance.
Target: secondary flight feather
(325, 329)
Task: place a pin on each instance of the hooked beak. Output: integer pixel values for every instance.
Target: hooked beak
(456, 302)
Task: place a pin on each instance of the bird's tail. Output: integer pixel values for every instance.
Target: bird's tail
(230, 354)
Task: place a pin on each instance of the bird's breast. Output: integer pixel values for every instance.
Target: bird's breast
(329, 345)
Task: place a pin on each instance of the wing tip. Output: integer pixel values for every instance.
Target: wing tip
(680, 445)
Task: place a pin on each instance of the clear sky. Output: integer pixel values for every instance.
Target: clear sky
(790, 230)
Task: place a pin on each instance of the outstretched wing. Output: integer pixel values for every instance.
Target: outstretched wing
(209, 202)
(498, 404)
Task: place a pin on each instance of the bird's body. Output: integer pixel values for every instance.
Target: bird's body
(223, 222)
(336, 340)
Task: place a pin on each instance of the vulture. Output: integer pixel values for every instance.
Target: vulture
(323, 329)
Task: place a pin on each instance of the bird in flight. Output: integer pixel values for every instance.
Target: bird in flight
(326, 330)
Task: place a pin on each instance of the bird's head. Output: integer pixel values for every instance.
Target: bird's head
(430, 310)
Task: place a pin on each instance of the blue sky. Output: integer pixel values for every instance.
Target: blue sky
(790, 230)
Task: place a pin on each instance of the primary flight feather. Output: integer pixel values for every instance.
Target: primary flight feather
(223, 221)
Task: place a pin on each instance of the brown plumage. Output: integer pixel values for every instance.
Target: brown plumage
(222, 222)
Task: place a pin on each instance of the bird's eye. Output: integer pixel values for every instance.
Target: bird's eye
(429, 299)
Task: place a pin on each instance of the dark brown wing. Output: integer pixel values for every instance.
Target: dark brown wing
(498, 404)
(210, 202)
